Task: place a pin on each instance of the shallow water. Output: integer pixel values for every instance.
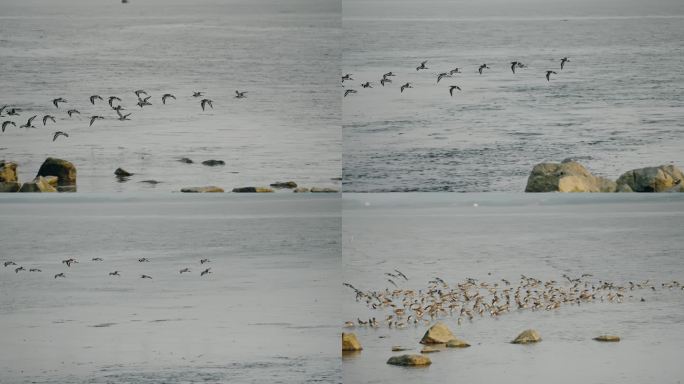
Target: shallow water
(616, 106)
(617, 238)
(285, 54)
(266, 314)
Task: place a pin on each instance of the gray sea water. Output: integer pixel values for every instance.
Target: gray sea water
(617, 238)
(267, 313)
(285, 54)
(616, 106)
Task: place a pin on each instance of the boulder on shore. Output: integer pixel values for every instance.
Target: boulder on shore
(213, 163)
(64, 170)
(608, 338)
(568, 176)
(208, 189)
(350, 342)
(120, 172)
(284, 185)
(39, 184)
(8, 172)
(527, 336)
(437, 334)
(651, 179)
(409, 360)
(252, 190)
(457, 343)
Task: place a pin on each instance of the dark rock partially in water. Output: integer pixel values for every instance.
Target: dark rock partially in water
(409, 360)
(207, 189)
(11, 186)
(39, 184)
(64, 170)
(284, 185)
(213, 163)
(120, 172)
(651, 179)
(252, 190)
(186, 160)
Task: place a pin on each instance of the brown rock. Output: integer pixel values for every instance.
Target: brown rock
(527, 336)
(323, 190)
(399, 348)
(12, 186)
(428, 349)
(284, 185)
(350, 342)
(608, 338)
(457, 343)
(568, 176)
(120, 172)
(208, 189)
(651, 179)
(409, 360)
(301, 190)
(252, 190)
(8, 172)
(437, 334)
(64, 170)
(39, 184)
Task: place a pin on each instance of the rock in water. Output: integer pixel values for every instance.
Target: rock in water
(186, 160)
(568, 176)
(301, 190)
(428, 349)
(120, 172)
(213, 163)
(437, 334)
(350, 342)
(399, 348)
(9, 187)
(8, 172)
(64, 170)
(409, 360)
(39, 184)
(609, 338)
(323, 190)
(527, 336)
(457, 343)
(650, 179)
(208, 189)
(252, 190)
(284, 185)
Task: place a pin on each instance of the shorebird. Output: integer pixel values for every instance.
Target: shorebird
(513, 65)
(197, 94)
(97, 259)
(144, 102)
(385, 80)
(111, 100)
(367, 84)
(35, 270)
(122, 117)
(118, 108)
(6, 123)
(68, 262)
(13, 112)
(206, 271)
(240, 95)
(3, 108)
(93, 118)
(401, 274)
(441, 76)
(48, 117)
(422, 66)
(483, 66)
(205, 102)
(58, 134)
(28, 123)
(139, 91)
(388, 74)
(454, 71)
(72, 111)
(145, 277)
(563, 61)
(57, 101)
(166, 96)
(8, 263)
(548, 75)
(143, 260)
(60, 275)
(115, 273)
(16, 270)
(451, 89)
(204, 261)
(182, 271)
(95, 97)
(407, 85)
(349, 91)
(348, 76)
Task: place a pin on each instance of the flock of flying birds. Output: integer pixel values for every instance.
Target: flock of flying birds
(70, 261)
(387, 77)
(113, 101)
(471, 298)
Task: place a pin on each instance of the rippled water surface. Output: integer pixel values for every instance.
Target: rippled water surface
(614, 238)
(616, 106)
(267, 313)
(285, 54)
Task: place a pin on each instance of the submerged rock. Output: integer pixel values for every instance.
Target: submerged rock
(428, 349)
(437, 334)
(151, 182)
(186, 160)
(350, 342)
(39, 184)
(11, 186)
(568, 176)
(409, 360)
(399, 348)
(64, 170)
(301, 190)
(8, 172)
(284, 185)
(213, 163)
(457, 343)
(608, 338)
(323, 190)
(651, 179)
(120, 172)
(207, 189)
(527, 336)
(252, 190)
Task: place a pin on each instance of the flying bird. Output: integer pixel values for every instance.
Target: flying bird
(28, 123)
(111, 100)
(367, 84)
(139, 91)
(60, 275)
(385, 80)
(72, 111)
(95, 97)
(204, 261)
(240, 95)
(483, 66)
(115, 273)
(97, 259)
(16, 270)
(58, 134)
(206, 271)
(455, 70)
(8, 263)
(184, 270)
(441, 76)
(197, 94)
(548, 75)
(145, 277)
(93, 118)
(349, 91)
(6, 123)
(407, 85)
(57, 101)
(348, 76)
(388, 74)
(451, 89)
(563, 61)
(422, 66)
(48, 117)
(35, 270)
(205, 102)
(166, 96)
(122, 117)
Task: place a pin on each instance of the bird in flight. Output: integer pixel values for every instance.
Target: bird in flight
(422, 65)
(145, 277)
(483, 66)
(72, 111)
(563, 61)
(548, 75)
(184, 270)
(48, 117)
(93, 118)
(139, 91)
(111, 100)
(58, 134)
(166, 96)
(348, 76)
(122, 117)
(60, 275)
(95, 97)
(240, 95)
(454, 71)
(204, 261)
(206, 102)
(206, 271)
(407, 85)
(349, 91)
(451, 89)
(57, 101)
(115, 273)
(197, 94)
(441, 76)
(28, 123)
(6, 123)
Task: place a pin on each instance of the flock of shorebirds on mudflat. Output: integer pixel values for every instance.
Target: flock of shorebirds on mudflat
(470, 299)
(72, 261)
(143, 100)
(387, 77)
